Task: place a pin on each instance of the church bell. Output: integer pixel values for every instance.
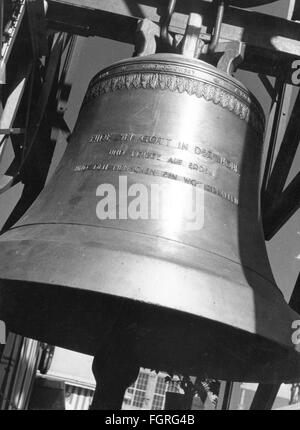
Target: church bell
(152, 222)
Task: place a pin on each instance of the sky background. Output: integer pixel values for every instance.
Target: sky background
(92, 55)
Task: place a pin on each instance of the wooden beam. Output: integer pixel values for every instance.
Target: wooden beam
(265, 397)
(283, 141)
(285, 157)
(10, 111)
(272, 43)
(272, 133)
(296, 15)
(225, 395)
(37, 27)
(39, 151)
(283, 209)
(8, 131)
(7, 45)
(1, 25)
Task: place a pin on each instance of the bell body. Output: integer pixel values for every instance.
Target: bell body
(198, 292)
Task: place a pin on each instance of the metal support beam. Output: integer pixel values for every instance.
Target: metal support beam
(225, 394)
(286, 154)
(272, 133)
(272, 43)
(284, 208)
(268, 86)
(36, 15)
(278, 205)
(277, 210)
(265, 397)
(296, 15)
(68, 73)
(1, 26)
(281, 96)
(42, 102)
(8, 131)
(39, 151)
(266, 393)
(18, 366)
(9, 114)
(295, 297)
(8, 44)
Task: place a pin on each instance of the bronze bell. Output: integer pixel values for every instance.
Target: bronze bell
(199, 299)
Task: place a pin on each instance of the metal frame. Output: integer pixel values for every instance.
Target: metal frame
(279, 204)
(12, 105)
(266, 53)
(266, 393)
(6, 47)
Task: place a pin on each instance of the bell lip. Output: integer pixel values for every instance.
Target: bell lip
(112, 263)
(276, 362)
(178, 58)
(54, 291)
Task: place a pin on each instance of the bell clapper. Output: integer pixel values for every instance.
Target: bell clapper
(115, 368)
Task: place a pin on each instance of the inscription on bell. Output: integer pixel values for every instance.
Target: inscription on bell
(194, 149)
(125, 147)
(124, 168)
(155, 156)
(103, 137)
(116, 152)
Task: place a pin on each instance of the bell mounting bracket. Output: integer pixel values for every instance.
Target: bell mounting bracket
(152, 38)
